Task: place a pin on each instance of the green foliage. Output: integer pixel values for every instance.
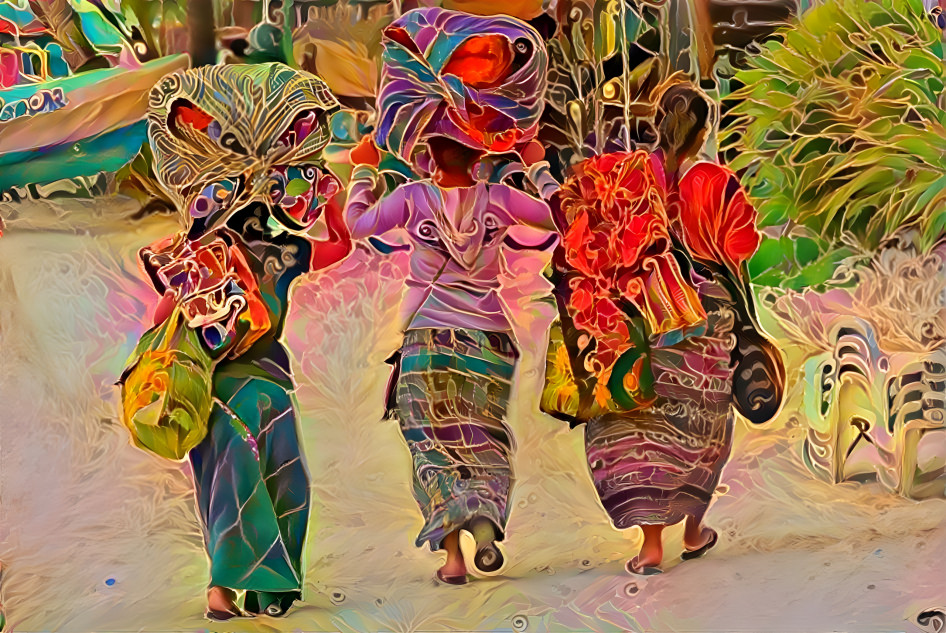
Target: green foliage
(841, 131)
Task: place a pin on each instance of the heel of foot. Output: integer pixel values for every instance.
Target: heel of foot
(709, 544)
(634, 566)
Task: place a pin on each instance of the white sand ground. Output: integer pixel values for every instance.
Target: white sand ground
(79, 506)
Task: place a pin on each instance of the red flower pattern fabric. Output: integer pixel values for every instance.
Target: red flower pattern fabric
(617, 245)
(212, 282)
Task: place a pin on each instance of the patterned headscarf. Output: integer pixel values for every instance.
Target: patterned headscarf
(477, 80)
(224, 136)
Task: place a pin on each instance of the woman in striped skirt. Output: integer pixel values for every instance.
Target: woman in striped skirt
(445, 110)
(657, 336)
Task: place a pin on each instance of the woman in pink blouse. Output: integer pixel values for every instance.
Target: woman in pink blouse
(445, 112)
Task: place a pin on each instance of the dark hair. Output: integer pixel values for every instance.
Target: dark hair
(684, 112)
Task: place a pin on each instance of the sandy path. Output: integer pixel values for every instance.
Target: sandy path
(81, 507)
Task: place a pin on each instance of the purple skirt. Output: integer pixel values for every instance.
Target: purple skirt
(660, 464)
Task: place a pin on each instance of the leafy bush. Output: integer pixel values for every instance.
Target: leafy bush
(841, 133)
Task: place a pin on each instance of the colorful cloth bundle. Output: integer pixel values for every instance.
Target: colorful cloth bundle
(210, 279)
(477, 80)
(166, 389)
(619, 285)
(208, 149)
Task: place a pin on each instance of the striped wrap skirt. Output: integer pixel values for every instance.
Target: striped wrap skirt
(658, 465)
(449, 394)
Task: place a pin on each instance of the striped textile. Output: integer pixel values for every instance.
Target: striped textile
(660, 464)
(450, 398)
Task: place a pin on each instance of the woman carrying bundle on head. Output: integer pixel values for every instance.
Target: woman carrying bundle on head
(459, 102)
(239, 150)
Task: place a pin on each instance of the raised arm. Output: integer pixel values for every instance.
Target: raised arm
(523, 208)
(366, 214)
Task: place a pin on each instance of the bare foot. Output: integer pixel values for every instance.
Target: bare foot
(697, 536)
(651, 554)
(454, 570)
(221, 604)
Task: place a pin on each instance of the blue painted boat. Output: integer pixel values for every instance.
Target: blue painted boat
(78, 125)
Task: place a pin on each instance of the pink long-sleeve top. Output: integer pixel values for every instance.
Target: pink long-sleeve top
(456, 234)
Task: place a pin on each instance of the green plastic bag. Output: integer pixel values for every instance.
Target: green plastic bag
(166, 389)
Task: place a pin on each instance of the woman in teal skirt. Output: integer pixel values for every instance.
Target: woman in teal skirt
(238, 148)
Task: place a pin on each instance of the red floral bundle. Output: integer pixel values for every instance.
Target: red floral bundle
(617, 247)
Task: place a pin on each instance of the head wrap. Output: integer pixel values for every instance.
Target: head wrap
(477, 80)
(218, 132)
